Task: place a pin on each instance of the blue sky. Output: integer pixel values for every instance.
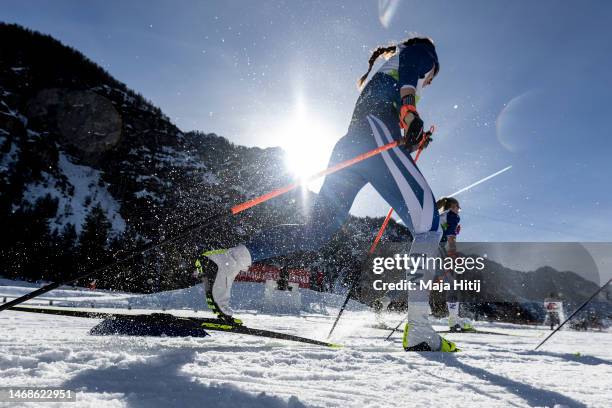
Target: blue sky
(522, 83)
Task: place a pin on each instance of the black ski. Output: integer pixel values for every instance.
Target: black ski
(474, 332)
(63, 312)
(166, 324)
(385, 327)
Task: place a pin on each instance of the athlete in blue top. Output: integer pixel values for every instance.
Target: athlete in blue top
(449, 222)
(385, 111)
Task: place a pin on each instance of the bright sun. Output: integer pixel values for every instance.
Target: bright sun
(308, 142)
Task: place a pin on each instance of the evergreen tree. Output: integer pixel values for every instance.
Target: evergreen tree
(31, 241)
(66, 253)
(94, 239)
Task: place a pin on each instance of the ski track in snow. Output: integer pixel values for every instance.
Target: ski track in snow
(230, 370)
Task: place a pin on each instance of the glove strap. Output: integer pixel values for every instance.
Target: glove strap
(405, 110)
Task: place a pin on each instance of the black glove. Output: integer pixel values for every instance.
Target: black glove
(414, 133)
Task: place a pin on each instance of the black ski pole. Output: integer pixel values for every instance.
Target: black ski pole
(348, 297)
(574, 313)
(138, 251)
(233, 211)
(394, 330)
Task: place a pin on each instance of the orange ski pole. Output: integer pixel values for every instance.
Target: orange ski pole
(332, 169)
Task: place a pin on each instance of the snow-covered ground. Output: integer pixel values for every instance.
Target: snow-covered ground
(229, 370)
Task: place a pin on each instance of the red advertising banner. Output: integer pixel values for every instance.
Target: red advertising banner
(262, 273)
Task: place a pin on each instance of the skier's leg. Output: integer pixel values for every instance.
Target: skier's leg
(398, 180)
(453, 302)
(453, 315)
(329, 212)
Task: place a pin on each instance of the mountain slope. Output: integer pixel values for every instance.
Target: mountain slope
(88, 166)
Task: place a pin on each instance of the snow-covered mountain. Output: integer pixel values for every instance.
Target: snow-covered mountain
(88, 166)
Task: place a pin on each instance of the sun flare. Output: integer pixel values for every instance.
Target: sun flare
(307, 141)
